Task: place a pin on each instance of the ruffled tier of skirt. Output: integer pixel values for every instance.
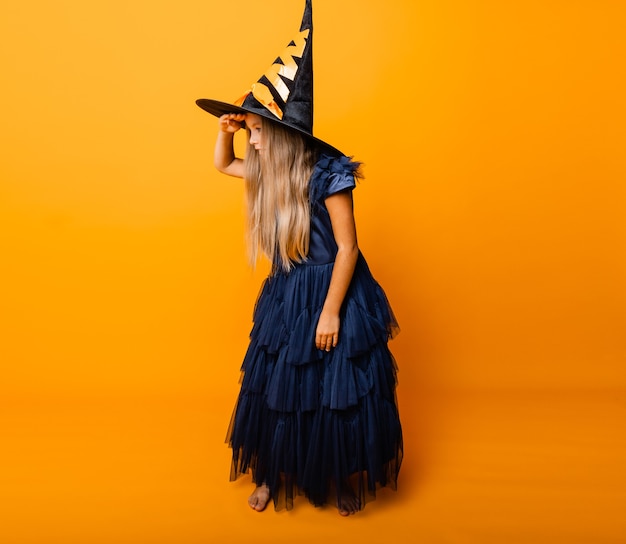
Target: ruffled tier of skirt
(309, 421)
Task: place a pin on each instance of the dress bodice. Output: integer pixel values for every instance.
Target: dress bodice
(330, 176)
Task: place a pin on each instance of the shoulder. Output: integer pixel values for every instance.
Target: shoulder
(333, 174)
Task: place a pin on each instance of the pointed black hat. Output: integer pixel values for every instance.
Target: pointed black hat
(284, 93)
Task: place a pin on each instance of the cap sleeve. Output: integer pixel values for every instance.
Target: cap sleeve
(332, 175)
(339, 182)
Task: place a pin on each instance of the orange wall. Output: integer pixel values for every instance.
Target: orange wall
(492, 213)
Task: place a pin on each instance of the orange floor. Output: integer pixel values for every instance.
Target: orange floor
(481, 468)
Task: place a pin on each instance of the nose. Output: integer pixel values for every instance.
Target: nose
(253, 139)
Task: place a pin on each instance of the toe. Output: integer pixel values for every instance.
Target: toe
(259, 499)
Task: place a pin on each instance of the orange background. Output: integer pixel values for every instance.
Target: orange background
(492, 212)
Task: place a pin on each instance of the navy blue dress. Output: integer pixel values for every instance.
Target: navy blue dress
(307, 419)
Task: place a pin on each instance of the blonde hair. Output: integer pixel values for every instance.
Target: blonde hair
(277, 195)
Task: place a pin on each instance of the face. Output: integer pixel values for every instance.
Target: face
(255, 124)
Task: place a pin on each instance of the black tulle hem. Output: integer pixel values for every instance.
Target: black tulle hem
(307, 454)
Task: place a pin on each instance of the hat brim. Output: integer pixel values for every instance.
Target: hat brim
(217, 108)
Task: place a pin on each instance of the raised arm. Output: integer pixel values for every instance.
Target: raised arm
(224, 155)
(340, 209)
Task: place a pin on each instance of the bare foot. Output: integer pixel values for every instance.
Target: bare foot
(259, 499)
(348, 501)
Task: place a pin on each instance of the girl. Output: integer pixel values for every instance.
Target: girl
(316, 413)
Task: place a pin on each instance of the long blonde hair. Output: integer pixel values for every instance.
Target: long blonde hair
(277, 195)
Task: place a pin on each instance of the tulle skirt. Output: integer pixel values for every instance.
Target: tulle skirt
(309, 421)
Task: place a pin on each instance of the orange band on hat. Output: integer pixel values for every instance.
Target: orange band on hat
(287, 69)
(239, 101)
(264, 96)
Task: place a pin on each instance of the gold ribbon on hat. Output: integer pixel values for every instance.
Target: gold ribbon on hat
(287, 69)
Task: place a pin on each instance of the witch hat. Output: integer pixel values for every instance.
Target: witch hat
(284, 93)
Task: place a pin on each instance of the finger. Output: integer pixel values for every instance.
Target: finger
(335, 340)
(324, 343)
